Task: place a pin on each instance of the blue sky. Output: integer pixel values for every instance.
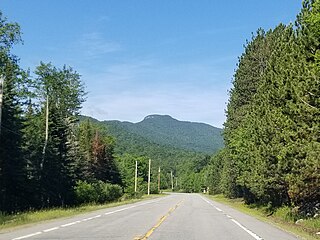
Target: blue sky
(141, 57)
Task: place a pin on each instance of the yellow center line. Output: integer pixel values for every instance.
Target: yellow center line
(161, 220)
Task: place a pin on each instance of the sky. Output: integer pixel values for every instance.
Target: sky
(142, 57)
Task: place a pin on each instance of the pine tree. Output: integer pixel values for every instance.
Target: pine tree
(12, 166)
(62, 91)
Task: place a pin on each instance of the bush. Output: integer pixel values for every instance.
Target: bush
(108, 192)
(154, 188)
(98, 192)
(85, 192)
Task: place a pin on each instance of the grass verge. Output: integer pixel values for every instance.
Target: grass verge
(282, 218)
(8, 222)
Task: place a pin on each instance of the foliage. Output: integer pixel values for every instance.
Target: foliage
(132, 145)
(190, 136)
(12, 166)
(273, 115)
(98, 192)
(43, 149)
(167, 131)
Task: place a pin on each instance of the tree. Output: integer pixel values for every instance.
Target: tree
(12, 166)
(60, 94)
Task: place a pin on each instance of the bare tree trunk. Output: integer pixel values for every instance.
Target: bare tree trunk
(47, 133)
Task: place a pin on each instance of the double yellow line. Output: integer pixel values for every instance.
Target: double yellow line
(161, 220)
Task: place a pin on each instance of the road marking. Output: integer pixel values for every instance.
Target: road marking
(68, 224)
(50, 229)
(218, 209)
(233, 220)
(126, 208)
(161, 220)
(210, 203)
(247, 230)
(119, 210)
(27, 236)
(86, 219)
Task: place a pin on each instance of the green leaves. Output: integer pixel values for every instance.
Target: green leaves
(272, 127)
(9, 33)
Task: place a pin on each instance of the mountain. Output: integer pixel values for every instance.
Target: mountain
(166, 131)
(178, 146)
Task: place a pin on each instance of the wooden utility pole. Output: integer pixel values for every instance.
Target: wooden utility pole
(1, 97)
(149, 176)
(171, 181)
(176, 182)
(159, 180)
(136, 177)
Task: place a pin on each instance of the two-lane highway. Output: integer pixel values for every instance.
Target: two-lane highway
(175, 217)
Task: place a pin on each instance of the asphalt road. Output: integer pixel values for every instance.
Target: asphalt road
(175, 217)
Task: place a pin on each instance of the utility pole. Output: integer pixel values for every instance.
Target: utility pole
(149, 176)
(159, 180)
(1, 97)
(171, 181)
(176, 182)
(135, 177)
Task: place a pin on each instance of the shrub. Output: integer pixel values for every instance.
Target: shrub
(85, 192)
(98, 192)
(154, 188)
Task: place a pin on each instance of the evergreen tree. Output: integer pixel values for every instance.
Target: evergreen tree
(60, 94)
(12, 166)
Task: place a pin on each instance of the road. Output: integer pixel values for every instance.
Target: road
(174, 217)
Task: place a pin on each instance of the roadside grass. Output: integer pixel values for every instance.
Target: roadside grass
(283, 217)
(7, 222)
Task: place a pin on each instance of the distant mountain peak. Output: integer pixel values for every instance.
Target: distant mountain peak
(158, 116)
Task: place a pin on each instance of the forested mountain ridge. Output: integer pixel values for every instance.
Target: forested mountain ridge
(154, 138)
(167, 131)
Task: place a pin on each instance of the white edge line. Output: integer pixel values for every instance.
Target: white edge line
(218, 209)
(27, 236)
(247, 230)
(68, 224)
(85, 219)
(50, 229)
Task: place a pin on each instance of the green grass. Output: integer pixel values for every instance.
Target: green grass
(25, 218)
(283, 218)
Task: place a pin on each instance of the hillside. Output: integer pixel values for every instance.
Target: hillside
(167, 131)
(181, 147)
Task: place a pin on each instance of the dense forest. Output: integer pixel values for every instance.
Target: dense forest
(150, 138)
(48, 158)
(165, 130)
(272, 131)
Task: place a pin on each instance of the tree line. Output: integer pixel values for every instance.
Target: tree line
(272, 131)
(48, 158)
